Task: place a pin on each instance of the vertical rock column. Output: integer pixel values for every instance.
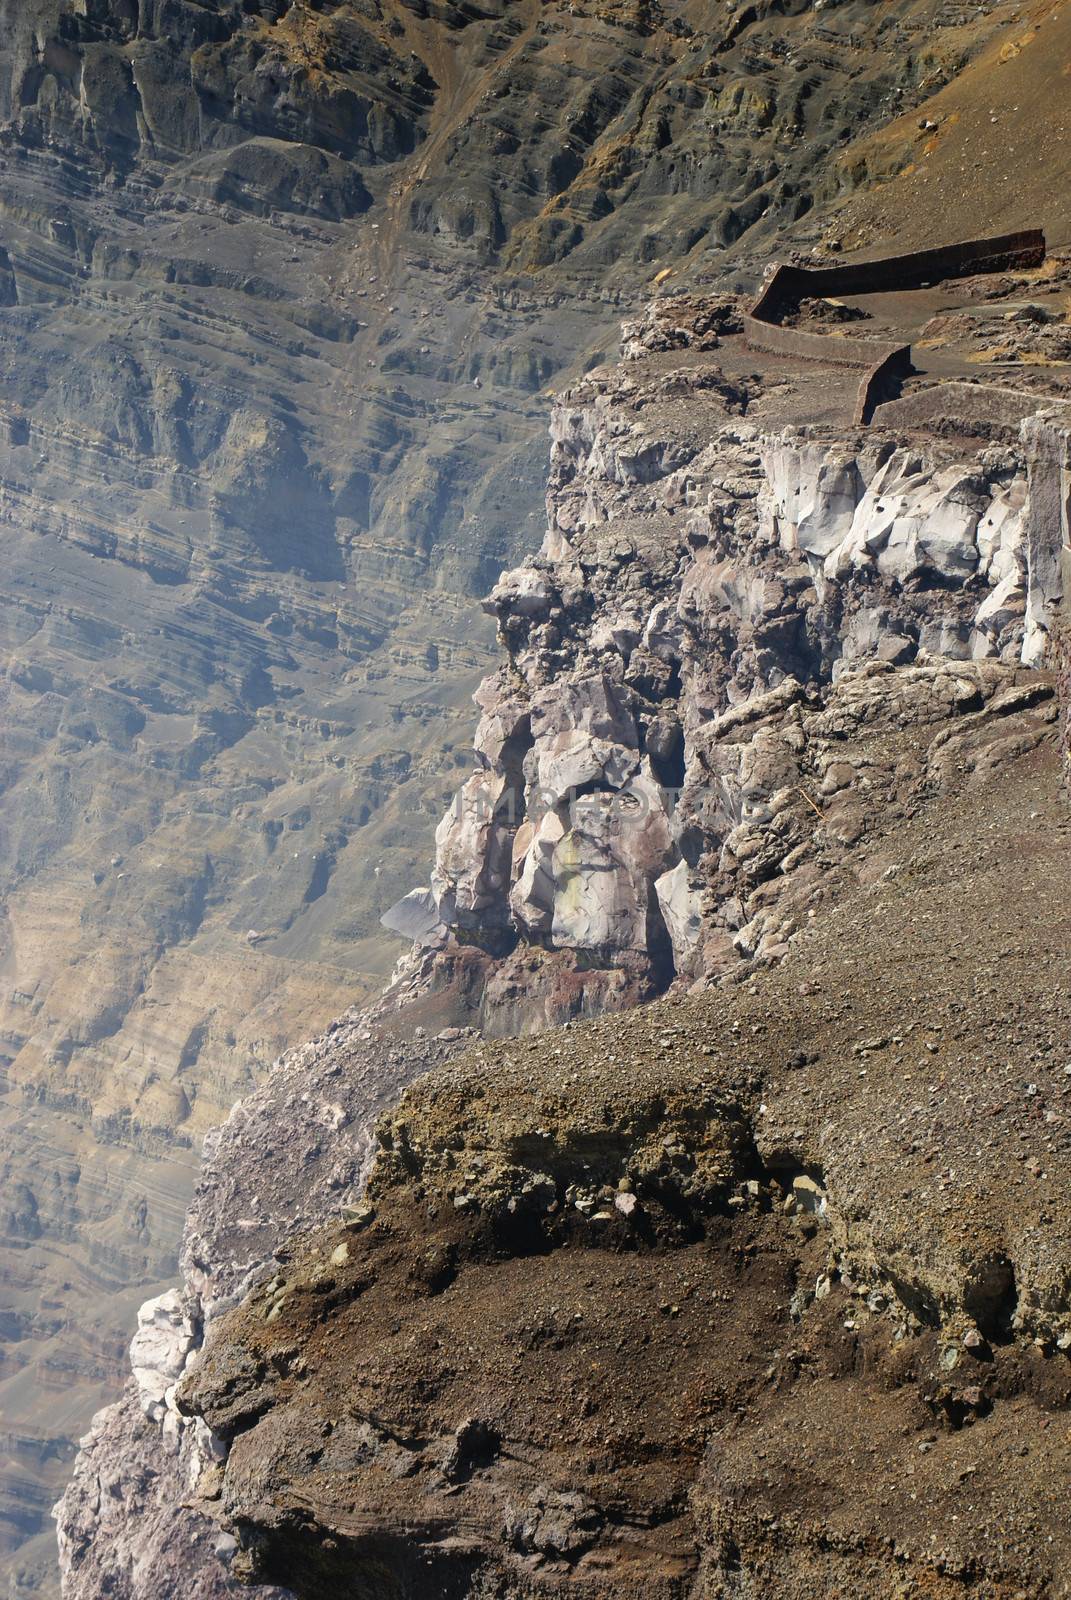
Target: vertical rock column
(1047, 439)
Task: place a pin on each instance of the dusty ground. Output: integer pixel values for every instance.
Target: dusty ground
(988, 149)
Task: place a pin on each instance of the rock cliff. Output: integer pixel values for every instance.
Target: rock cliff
(759, 688)
(759, 1292)
(282, 289)
(649, 755)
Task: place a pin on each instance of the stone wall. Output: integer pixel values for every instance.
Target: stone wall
(883, 363)
(916, 270)
(886, 363)
(975, 409)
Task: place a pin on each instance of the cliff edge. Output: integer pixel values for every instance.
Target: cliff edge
(754, 1290)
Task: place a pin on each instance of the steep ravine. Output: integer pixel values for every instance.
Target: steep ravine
(762, 687)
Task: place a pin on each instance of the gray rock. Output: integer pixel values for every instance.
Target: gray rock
(415, 916)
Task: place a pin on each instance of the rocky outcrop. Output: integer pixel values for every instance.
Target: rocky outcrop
(761, 1291)
(128, 1526)
(747, 655)
(636, 795)
(289, 1154)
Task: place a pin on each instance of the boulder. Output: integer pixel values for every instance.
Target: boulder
(584, 733)
(681, 909)
(159, 1349)
(415, 916)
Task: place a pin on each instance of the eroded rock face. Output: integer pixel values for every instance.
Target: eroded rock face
(128, 1528)
(703, 737)
(642, 1158)
(743, 654)
(639, 785)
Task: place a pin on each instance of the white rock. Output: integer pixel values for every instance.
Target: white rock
(524, 591)
(681, 912)
(905, 518)
(159, 1349)
(662, 633)
(811, 497)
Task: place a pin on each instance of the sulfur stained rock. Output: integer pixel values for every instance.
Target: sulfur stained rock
(535, 878)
